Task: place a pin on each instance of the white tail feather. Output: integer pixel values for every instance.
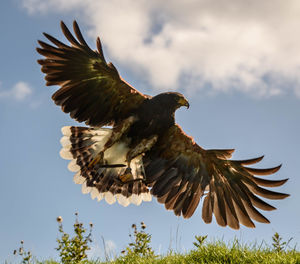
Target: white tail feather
(136, 166)
(66, 130)
(85, 189)
(72, 166)
(94, 193)
(135, 199)
(66, 154)
(122, 200)
(65, 141)
(99, 137)
(78, 179)
(101, 131)
(100, 197)
(109, 198)
(147, 197)
(96, 139)
(116, 153)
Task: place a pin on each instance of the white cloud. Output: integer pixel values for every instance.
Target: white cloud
(110, 247)
(251, 46)
(96, 252)
(19, 92)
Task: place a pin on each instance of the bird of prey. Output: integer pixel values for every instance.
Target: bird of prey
(133, 149)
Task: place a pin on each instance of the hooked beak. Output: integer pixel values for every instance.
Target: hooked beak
(184, 102)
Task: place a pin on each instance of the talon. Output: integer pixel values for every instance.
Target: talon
(127, 176)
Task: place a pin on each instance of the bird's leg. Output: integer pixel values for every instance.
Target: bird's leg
(116, 134)
(127, 175)
(139, 149)
(119, 130)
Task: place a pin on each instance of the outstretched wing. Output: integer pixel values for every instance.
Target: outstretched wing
(91, 90)
(181, 172)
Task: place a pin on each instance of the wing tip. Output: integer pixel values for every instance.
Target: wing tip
(285, 195)
(62, 24)
(266, 171)
(75, 24)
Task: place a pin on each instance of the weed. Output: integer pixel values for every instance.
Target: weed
(277, 244)
(140, 246)
(73, 250)
(200, 241)
(26, 255)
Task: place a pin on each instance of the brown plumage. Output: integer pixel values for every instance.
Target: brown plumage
(145, 150)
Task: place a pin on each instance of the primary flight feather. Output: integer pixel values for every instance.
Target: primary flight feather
(144, 153)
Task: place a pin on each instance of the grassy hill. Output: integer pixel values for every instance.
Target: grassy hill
(74, 250)
(212, 253)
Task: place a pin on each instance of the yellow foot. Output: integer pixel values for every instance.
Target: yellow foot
(127, 176)
(96, 160)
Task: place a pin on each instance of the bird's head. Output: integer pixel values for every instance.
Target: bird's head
(172, 100)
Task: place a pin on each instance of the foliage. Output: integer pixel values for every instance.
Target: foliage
(200, 241)
(218, 253)
(73, 250)
(140, 246)
(212, 253)
(277, 244)
(25, 255)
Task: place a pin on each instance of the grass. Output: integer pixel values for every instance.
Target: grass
(211, 253)
(73, 250)
(219, 252)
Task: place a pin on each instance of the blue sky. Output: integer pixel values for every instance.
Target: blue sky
(239, 72)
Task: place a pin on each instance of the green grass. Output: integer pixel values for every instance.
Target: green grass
(74, 249)
(212, 253)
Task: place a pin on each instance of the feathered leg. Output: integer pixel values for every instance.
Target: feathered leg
(139, 149)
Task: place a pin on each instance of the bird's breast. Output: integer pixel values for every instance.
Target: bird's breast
(149, 125)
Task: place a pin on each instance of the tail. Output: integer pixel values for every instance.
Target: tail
(82, 145)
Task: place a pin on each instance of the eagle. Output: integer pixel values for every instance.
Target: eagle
(132, 148)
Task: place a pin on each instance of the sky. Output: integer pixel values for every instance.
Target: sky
(238, 64)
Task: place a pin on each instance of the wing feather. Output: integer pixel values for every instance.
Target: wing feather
(230, 190)
(207, 209)
(263, 171)
(91, 90)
